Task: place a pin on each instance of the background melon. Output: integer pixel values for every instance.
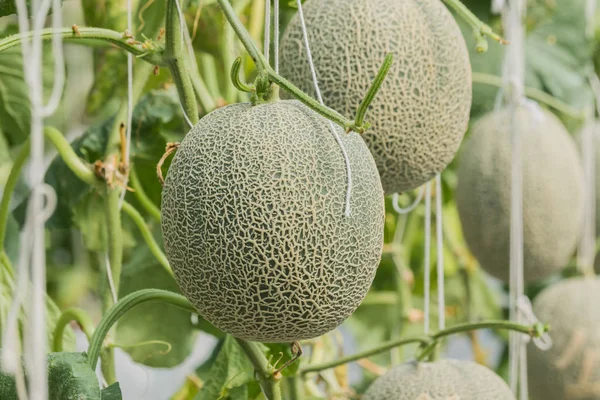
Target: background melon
(570, 370)
(254, 226)
(552, 192)
(444, 380)
(421, 113)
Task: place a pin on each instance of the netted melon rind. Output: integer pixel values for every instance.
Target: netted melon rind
(421, 113)
(254, 226)
(570, 370)
(552, 193)
(444, 380)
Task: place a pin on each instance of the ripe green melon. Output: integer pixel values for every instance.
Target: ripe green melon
(421, 113)
(254, 226)
(552, 193)
(440, 380)
(570, 370)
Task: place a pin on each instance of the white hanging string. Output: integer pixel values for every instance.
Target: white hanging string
(267, 32)
(276, 34)
(59, 62)
(514, 73)
(439, 236)
(586, 249)
(320, 99)
(32, 264)
(427, 257)
(415, 203)
(590, 14)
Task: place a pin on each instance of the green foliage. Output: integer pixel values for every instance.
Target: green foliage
(230, 375)
(69, 378)
(158, 323)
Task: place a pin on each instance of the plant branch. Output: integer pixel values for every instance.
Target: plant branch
(175, 55)
(141, 195)
(72, 314)
(124, 305)
(480, 30)
(65, 151)
(269, 382)
(150, 52)
(152, 244)
(532, 93)
(264, 69)
(424, 340)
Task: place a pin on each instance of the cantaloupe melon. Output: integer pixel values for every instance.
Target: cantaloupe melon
(440, 380)
(254, 225)
(570, 370)
(552, 192)
(421, 113)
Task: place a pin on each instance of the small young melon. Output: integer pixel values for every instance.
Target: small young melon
(552, 192)
(254, 226)
(421, 113)
(440, 380)
(570, 370)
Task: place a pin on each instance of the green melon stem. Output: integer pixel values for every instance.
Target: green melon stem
(263, 67)
(147, 235)
(423, 340)
(141, 195)
(82, 319)
(480, 30)
(374, 89)
(270, 384)
(175, 56)
(532, 93)
(122, 307)
(150, 52)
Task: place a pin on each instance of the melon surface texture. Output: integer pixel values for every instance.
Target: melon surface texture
(552, 192)
(440, 380)
(254, 226)
(421, 113)
(570, 370)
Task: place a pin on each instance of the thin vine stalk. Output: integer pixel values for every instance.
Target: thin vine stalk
(121, 307)
(149, 51)
(270, 383)
(147, 235)
(375, 86)
(72, 314)
(141, 195)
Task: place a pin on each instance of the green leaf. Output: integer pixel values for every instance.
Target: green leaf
(153, 322)
(69, 378)
(229, 375)
(113, 392)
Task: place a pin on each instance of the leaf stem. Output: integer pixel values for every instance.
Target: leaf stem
(72, 314)
(263, 68)
(124, 305)
(269, 383)
(480, 30)
(424, 340)
(532, 93)
(375, 86)
(141, 195)
(147, 235)
(65, 151)
(152, 54)
(175, 56)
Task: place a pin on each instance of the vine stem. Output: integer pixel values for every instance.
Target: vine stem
(124, 305)
(270, 384)
(480, 30)
(175, 56)
(152, 54)
(264, 69)
(142, 197)
(152, 244)
(72, 314)
(423, 340)
(66, 153)
(532, 93)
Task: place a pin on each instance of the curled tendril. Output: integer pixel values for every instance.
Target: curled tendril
(235, 76)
